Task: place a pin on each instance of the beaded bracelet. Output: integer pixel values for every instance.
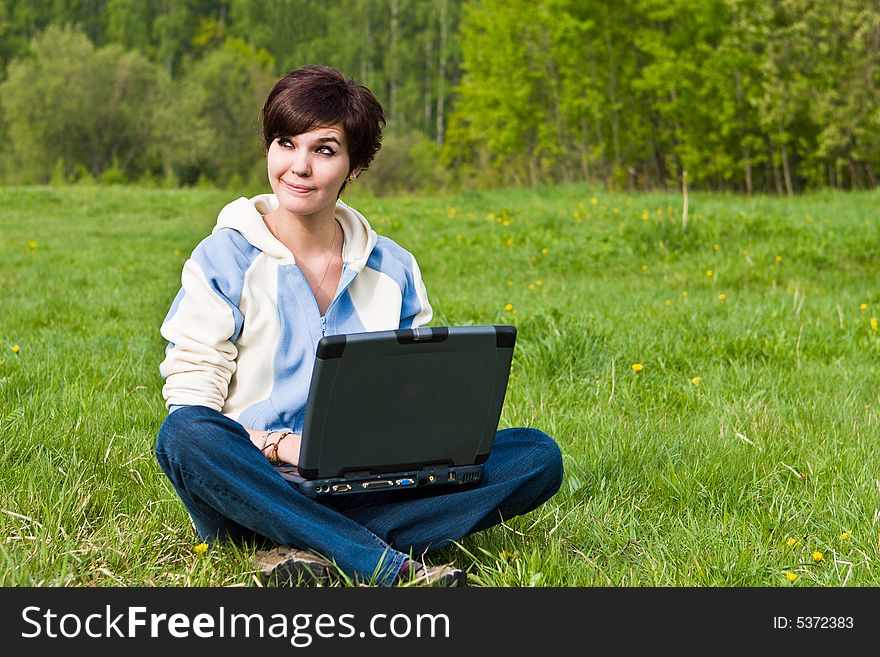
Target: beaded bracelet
(266, 439)
(274, 454)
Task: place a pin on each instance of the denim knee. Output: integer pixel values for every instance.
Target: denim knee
(534, 455)
(548, 461)
(186, 433)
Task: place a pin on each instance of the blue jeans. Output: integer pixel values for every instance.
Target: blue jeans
(232, 492)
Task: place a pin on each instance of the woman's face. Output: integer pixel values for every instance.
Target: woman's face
(307, 170)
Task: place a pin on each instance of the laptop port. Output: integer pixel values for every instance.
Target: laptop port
(381, 483)
(341, 488)
(406, 481)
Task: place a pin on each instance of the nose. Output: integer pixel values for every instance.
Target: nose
(300, 163)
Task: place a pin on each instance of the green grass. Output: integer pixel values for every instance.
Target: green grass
(668, 482)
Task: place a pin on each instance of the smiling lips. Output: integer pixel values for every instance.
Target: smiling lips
(297, 189)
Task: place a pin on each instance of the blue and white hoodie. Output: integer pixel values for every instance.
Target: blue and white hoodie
(244, 327)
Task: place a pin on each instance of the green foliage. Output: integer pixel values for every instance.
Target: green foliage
(113, 175)
(742, 95)
(407, 162)
(82, 176)
(59, 174)
(211, 127)
(502, 112)
(214, 61)
(88, 107)
(394, 47)
(738, 93)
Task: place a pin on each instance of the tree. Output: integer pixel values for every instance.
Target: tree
(211, 129)
(844, 105)
(85, 107)
(501, 117)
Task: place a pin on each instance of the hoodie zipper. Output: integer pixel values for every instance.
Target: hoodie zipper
(333, 301)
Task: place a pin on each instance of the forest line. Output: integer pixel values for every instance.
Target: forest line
(738, 95)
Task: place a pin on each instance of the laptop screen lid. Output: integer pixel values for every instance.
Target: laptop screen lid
(389, 401)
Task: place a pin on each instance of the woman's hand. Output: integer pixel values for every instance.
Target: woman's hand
(287, 448)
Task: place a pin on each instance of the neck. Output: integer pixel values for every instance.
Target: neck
(312, 235)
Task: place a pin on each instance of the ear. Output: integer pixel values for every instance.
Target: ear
(355, 172)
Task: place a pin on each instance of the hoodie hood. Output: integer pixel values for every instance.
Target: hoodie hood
(245, 215)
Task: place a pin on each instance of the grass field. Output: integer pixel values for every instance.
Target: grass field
(745, 446)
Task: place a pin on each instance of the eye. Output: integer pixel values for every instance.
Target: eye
(284, 142)
(326, 150)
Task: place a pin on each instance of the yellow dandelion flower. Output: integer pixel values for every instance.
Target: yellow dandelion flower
(716, 247)
(637, 367)
(15, 348)
(178, 252)
(790, 577)
(791, 542)
(710, 273)
(510, 242)
(545, 251)
(509, 283)
(458, 237)
(644, 267)
(539, 282)
(745, 253)
(201, 548)
(615, 211)
(844, 536)
(874, 325)
(645, 215)
(667, 302)
(508, 307)
(32, 244)
(659, 212)
(506, 222)
(594, 201)
(684, 293)
(863, 307)
(779, 258)
(817, 556)
(722, 297)
(531, 286)
(697, 380)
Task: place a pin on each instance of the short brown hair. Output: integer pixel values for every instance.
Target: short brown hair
(320, 96)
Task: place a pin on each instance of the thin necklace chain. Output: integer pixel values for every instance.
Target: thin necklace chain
(329, 260)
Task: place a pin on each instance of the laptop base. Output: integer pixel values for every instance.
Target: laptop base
(350, 485)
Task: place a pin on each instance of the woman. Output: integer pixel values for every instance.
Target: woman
(278, 272)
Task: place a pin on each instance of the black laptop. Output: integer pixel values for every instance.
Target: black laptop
(402, 409)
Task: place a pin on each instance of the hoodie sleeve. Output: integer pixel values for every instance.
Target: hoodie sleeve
(203, 324)
(415, 308)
